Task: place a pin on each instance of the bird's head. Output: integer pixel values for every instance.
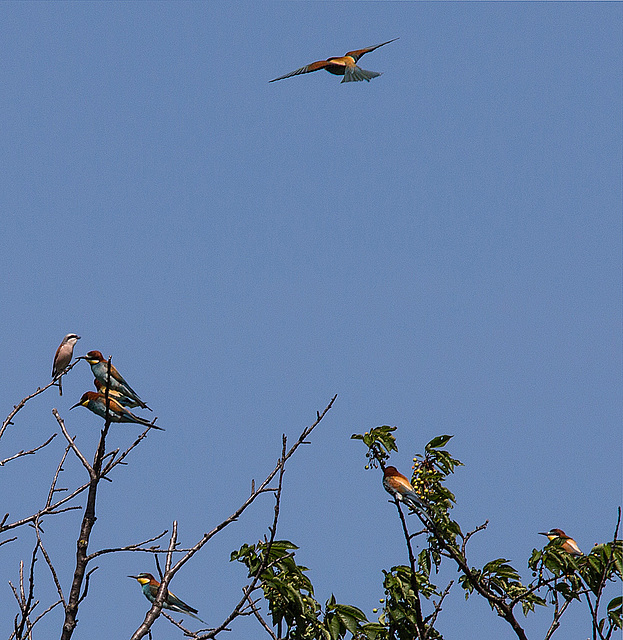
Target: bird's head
(93, 357)
(554, 533)
(86, 398)
(390, 471)
(71, 338)
(144, 578)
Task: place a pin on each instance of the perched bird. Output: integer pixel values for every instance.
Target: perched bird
(99, 367)
(341, 66)
(399, 486)
(96, 402)
(117, 395)
(569, 544)
(172, 602)
(62, 358)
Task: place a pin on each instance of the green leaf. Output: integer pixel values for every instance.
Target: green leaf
(438, 442)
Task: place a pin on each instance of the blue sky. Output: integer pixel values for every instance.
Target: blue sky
(441, 247)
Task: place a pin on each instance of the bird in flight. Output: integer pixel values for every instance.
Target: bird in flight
(345, 65)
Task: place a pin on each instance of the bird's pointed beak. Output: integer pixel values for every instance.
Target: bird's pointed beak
(76, 405)
(135, 577)
(541, 533)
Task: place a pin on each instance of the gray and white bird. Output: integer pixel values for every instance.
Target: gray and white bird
(62, 358)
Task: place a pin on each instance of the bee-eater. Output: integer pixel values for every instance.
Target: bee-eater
(99, 367)
(62, 358)
(150, 589)
(569, 544)
(96, 402)
(399, 486)
(117, 395)
(341, 66)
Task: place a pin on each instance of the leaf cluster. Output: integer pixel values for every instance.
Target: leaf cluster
(290, 596)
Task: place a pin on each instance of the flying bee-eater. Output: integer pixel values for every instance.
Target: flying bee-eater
(569, 544)
(117, 395)
(345, 65)
(99, 367)
(400, 488)
(172, 602)
(96, 402)
(62, 358)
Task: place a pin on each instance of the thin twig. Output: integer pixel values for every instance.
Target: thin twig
(145, 626)
(72, 444)
(49, 563)
(471, 533)
(23, 453)
(131, 547)
(431, 619)
(258, 574)
(9, 419)
(260, 619)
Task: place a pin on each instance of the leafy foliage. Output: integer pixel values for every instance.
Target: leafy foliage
(558, 577)
(290, 595)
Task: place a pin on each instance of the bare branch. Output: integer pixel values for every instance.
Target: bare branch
(431, 619)
(258, 574)
(471, 533)
(131, 547)
(26, 602)
(260, 619)
(23, 453)
(88, 521)
(9, 419)
(72, 444)
(49, 563)
(169, 572)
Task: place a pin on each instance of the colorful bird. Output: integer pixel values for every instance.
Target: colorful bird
(341, 66)
(399, 486)
(62, 358)
(117, 395)
(96, 402)
(171, 601)
(99, 367)
(569, 544)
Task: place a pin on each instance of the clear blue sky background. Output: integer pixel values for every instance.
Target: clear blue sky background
(441, 247)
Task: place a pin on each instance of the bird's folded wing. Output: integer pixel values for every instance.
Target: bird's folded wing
(314, 66)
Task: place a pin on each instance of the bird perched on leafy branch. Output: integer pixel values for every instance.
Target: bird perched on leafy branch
(62, 358)
(172, 602)
(400, 488)
(569, 544)
(99, 367)
(345, 65)
(96, 402)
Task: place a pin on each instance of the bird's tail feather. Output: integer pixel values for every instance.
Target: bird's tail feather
(356, 74)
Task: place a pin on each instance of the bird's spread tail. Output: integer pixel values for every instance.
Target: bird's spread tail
(356, 74)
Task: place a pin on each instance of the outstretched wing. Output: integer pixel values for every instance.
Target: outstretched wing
(314, 66)
(359, 52)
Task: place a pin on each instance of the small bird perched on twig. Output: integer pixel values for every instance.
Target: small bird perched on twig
(96, 402)
(569, 544)
(99, 368)
(400, 488)
(172, 602)
(345, 65)
(62, 358)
